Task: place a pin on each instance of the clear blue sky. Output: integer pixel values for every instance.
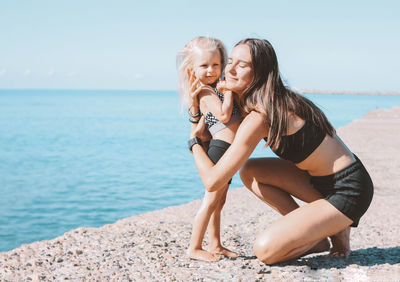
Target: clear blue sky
(95, 44)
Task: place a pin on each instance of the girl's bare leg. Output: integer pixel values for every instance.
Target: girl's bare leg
(201, 220)
(214, 230)
(263, 176)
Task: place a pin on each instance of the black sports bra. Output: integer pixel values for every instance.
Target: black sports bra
(298, 146)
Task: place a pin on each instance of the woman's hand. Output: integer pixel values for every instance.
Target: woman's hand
(200, 130)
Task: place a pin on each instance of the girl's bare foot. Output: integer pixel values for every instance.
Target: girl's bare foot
(225, 252)
(200, 254)
(341, 244)
(321, 246)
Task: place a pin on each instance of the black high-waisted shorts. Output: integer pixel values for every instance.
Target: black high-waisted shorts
(216, 149)
(349, 190)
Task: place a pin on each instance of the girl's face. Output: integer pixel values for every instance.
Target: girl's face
(239, 70)
(207, 65)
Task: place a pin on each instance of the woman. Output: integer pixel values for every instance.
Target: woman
(315, 166)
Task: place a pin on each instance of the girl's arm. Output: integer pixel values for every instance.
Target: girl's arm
(252, 129)
(210, 102)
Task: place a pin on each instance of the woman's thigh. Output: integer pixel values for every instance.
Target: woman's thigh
(281, 174)
(307, 224)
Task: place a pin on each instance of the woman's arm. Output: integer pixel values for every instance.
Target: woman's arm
(252, 129)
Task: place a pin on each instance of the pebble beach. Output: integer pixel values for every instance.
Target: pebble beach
(152, 246)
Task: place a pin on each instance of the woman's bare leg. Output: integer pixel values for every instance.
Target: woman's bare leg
(214, 230)
(294, 234)
(263, 176)
(341, 244)
(274, 181)
(201, 220)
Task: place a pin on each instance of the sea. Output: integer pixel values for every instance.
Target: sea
(74, 158)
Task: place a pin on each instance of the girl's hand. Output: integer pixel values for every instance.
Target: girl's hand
(195, 87)
(201, 131)
(221, 86)
(226, 92)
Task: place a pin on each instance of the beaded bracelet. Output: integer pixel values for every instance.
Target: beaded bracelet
(196, 115)
(193, 121)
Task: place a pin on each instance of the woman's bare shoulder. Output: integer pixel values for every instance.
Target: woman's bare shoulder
(255, 124)
(255, 118)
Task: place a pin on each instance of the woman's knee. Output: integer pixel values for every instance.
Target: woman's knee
(246, 173)
(266, 248)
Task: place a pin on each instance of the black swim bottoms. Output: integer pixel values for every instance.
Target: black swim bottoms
(349, 190)
(216, 149)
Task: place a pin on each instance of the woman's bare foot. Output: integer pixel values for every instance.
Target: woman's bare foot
(321, 246)
(200, 254)
(341, 244)
(225, 252)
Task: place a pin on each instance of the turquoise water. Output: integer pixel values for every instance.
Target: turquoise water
(87, 158)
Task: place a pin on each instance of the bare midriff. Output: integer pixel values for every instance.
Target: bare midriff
(227, 134)
(330, 157)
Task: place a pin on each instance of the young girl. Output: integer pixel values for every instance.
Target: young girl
(201, 63)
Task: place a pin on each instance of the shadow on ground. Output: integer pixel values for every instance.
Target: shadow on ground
(361, 257)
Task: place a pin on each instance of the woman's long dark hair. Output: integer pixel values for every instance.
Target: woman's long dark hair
(275, 99)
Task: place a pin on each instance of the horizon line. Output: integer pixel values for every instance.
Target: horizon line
(301, 91)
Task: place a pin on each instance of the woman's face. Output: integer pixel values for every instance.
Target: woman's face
(239, 70)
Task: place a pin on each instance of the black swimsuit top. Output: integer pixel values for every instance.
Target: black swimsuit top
(298, 146)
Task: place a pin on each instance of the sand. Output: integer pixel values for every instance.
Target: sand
(151, 246)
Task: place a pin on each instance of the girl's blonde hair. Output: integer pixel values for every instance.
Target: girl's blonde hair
(184, 61)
